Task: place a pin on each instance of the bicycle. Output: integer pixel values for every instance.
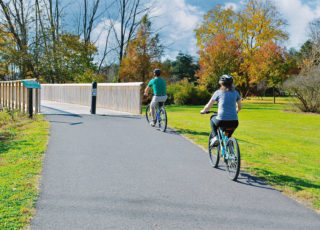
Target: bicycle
(160, 115)
(228, 149)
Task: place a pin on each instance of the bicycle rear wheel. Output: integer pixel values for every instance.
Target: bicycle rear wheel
(214, 153)
(148, 114)
(163, 119)
(233, 161)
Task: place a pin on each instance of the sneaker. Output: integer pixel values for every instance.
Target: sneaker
(214, 141)
(152, 123)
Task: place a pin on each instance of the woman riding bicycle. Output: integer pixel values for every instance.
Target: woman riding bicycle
(159, 90)
(229, 103)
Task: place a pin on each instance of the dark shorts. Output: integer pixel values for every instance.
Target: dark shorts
(229, 124)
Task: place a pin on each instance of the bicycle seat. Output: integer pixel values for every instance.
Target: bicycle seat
(228, 131)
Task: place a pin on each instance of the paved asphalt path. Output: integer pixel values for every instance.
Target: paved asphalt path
(117, 172)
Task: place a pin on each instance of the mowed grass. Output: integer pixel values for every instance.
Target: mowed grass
(281, 147)
(22, 145)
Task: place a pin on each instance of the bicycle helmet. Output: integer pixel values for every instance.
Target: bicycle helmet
(227, 79)
(157, 72)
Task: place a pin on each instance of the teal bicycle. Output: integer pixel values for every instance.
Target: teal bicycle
(228, 149)
(160, 115)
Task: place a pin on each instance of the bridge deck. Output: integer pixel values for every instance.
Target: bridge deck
(51, 107)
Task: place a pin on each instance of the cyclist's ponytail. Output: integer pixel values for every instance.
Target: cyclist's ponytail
(227, 86)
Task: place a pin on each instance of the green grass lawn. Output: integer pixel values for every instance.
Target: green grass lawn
(281, 147)
(22, 145)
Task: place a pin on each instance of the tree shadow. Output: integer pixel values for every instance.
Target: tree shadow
(296, 183)
(10, 144)
(64, 122)
(59, 112)
(249, 180)
(189, 131)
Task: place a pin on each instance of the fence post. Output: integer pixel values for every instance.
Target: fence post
(36, 101)
(30, 99)
(19, 95)
(12, 96)
(16, 95)
(5, 95)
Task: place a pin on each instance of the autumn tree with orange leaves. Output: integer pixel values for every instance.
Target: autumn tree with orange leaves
(143, 54)
(221, 55)
(270, 64)
(253, 26)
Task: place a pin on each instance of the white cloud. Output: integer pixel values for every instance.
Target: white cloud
(100, 35)
(299, 15)
(177, 21)
(230, 5)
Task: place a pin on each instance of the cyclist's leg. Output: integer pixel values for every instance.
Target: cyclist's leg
(153, 105)
(214, 122)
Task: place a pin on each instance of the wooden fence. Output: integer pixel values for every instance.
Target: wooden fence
(125, 97)
(15, 96)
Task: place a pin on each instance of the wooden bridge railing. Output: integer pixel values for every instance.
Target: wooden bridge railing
(15, 96)
(125, 97)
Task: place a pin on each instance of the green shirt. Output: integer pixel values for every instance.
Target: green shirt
(159, 86)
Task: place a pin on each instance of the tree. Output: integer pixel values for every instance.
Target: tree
(166, 71)
(184, 67)
(306, 88)
(311, 51)
(72, 59)
(16, 18)
(6, 46)
(130, 13)
(143, 54)
(270, 64)
(256, 24)
(221, 56)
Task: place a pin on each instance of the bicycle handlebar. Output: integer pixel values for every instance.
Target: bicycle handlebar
(207, 112)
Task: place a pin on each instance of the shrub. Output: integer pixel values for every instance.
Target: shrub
(185, 93)
(306, 88)
(172, 89)
(203, 95)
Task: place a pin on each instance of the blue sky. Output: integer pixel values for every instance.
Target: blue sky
(178, 18)
(175, 21)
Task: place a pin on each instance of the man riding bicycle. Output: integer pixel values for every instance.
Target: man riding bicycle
(229, 103)
(158, 85)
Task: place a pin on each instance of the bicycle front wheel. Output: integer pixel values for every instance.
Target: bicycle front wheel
(233, 160)
(214, 153)
(163, 119)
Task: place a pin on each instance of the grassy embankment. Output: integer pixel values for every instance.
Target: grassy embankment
(281, 147)
(22, 145)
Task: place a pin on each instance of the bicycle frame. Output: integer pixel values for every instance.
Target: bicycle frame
(157, 113)
(223, 139)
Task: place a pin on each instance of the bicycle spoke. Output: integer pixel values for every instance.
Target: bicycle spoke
(233, 161)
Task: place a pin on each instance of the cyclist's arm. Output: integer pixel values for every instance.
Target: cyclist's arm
(239, 106)
(146, 91)
(208, 106)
